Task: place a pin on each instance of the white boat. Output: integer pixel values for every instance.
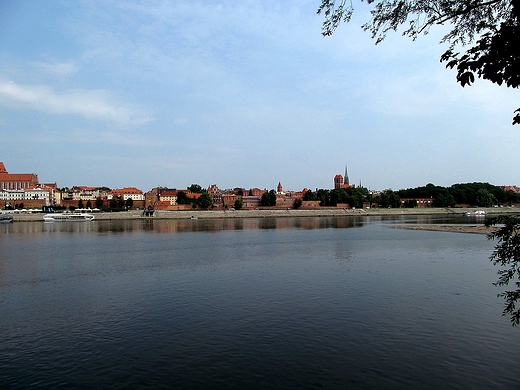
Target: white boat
(476, 213)
(67, 216)
(5, 218)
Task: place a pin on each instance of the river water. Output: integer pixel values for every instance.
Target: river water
(302, 303)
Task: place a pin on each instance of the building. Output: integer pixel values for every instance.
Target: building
(338, 182)
(16, 181)
(216, 195)
(342, 181)
(125, 194)
(29, 198)
(514, 189)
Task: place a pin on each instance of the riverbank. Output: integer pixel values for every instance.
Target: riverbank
(475, 229)
(215, 214)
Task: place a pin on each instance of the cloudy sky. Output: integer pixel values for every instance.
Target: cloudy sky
(170, 93)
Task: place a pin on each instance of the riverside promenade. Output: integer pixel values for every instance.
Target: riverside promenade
(325, 212)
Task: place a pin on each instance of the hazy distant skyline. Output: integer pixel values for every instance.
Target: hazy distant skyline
(246, 94)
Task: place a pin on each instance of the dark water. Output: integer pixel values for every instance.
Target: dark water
(257, 303)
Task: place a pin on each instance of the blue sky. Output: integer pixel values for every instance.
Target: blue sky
(170, 93)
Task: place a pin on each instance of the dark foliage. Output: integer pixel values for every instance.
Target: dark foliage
(507, 254)
(490, 30)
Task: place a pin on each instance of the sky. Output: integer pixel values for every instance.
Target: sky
(238, 94)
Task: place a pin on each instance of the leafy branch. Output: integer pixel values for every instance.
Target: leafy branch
(507, 254)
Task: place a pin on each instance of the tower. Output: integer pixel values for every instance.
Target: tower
(338, 181)
(346, 181)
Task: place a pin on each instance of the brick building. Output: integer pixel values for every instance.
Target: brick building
(16, 181)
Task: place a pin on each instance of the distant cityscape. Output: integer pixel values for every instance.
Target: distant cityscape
(24, 191)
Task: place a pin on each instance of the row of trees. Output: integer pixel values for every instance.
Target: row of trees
(474, 194)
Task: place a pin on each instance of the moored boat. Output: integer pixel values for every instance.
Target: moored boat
(6, 218)
(476, 213)
(67, 216)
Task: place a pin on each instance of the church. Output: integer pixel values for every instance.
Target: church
(342, 181)
(16, 181)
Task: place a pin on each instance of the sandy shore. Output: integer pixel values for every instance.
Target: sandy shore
(478, 229)
(211, 214)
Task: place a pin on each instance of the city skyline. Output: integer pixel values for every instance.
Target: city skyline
(249, 93)
(344, 183)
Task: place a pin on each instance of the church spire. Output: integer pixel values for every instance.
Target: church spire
(346, 181)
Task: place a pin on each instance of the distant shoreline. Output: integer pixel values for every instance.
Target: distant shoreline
(328, 212)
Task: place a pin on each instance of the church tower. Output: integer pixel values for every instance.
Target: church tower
(346, 181)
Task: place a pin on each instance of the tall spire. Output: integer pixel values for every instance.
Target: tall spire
(346, 180)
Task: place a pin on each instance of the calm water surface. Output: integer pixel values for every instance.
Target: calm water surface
(254, 303)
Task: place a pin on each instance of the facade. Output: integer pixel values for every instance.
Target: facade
(16, 181)
(29, 198)
(127, 193)
(514, 189)
(421, 202)
(168, 197)
(338, 182)
(216, 195)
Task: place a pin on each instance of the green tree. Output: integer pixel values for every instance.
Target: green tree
(390, 198)
(268, 198)
(129, 203)
(297, 203)
(239, 203)
(507, 254)
(182, 198)
(196, 189)
(324, 197)
(512, 197)
(204, 200)
(80, 204)
(99, 202)
(309, 195)
(484, 198)
(488, 30)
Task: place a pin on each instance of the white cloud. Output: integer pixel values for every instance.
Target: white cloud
(90, 104)
(57, 68)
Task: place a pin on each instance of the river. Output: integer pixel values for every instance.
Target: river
(303, 303)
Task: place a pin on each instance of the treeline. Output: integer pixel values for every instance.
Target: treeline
(471, 194)
(330, 198)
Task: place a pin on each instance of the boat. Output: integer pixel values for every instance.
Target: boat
(476, 213)
(68, 216)
(6, 218)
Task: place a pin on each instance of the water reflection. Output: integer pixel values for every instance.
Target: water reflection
(183, 225)
(215, 225)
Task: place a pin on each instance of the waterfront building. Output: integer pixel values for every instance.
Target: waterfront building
(34, 197)
(127, 193)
